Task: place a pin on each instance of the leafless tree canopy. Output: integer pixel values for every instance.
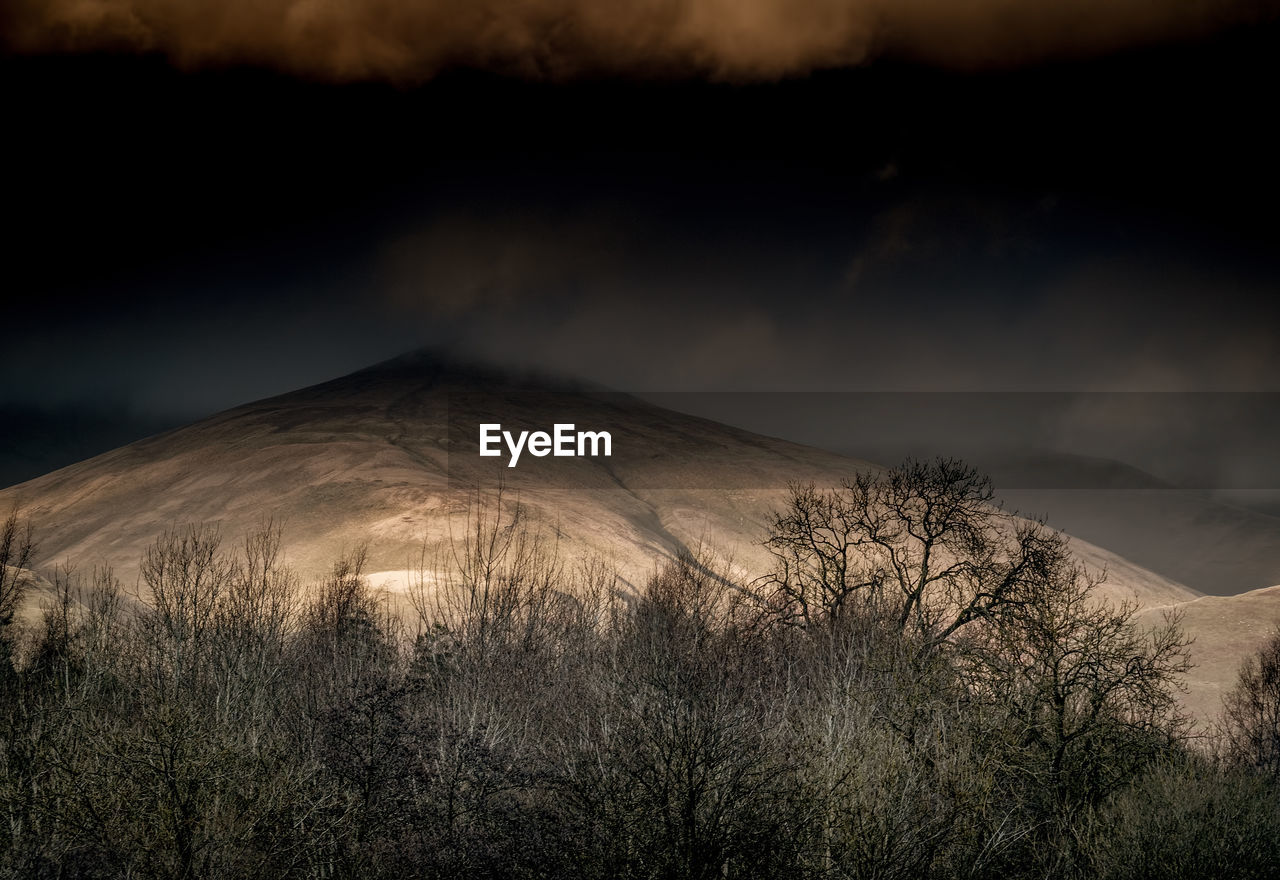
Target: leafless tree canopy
(923, 687)
(1252, 710)
(923, 544)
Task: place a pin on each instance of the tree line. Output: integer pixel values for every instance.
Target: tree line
(922, 686)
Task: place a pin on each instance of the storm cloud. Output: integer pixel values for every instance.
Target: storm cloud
(735, 40)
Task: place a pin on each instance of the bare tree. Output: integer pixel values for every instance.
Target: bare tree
(922, 544)
(17, 547)
(496, 585)
(186, 575)
(667, 759)
(1251, 711)
(1087, 696)
(261, 600)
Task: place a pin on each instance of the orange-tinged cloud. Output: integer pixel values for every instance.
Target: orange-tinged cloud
(412, 40)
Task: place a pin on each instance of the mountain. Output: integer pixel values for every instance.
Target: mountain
(376, 456)
(389, 455)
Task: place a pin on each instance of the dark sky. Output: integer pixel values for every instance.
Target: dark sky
(185, 232)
